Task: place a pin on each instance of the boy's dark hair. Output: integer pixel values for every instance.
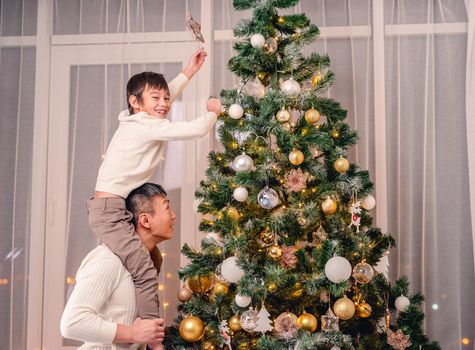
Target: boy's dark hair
(141, 199)
(136, 85)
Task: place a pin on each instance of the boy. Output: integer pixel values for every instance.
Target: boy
(132, 158)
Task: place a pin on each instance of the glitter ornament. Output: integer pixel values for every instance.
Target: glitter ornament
(290, 88)
(324, 297)
(234, 323)
(368, 202)
(328, 206)
(240, 194)
(207, 345)
(363, 272)
(301, 220)
(199, 284)
(249, 320)
(230, 271)
(266, 238)
(285, 325)
(398, 340)
(335, 134)
(289, 259)
(330, 322)
(316, 78)
(307, 322)
(296, 180)
(338, 269)
(344, 308)
(232, 212)
(312, 116)
(271, 287)
(341, 165)
(220, 288)
(191, 329)
(402, 303)
(184, 294)
(242, 300)
(283, 115)
(270, 45)
(268, 198)
(287, 126)
(257, 40)
(235, 111)
(363, 310)
(296, 157)
(217, 273)
(243, 163)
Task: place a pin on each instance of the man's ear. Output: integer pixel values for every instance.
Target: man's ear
(143, 220)
(134, 102)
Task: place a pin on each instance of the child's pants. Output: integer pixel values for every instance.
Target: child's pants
(111, 223)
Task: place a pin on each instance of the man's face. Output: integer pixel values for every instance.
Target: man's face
(155, 102)
(161, 223)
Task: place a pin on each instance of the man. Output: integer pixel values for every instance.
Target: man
(102, 307)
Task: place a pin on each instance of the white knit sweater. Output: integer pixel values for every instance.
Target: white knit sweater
(137, 146)
(104, 296)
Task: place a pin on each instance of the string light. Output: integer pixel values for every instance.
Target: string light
(3, 281)
(465, 341)
(70, 280)
(165, 305)
(169, 275)
(164, 255)
(161, 287)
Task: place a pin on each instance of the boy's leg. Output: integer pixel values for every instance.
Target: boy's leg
(111, 223)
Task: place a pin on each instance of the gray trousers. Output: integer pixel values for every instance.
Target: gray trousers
(111, 222)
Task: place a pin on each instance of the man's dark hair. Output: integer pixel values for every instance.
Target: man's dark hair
(141, 199)
(136, 85)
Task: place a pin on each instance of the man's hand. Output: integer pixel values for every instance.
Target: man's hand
(195, 63)
(214, 105)
(148, 331)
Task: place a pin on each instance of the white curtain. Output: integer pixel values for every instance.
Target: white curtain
(430, 129)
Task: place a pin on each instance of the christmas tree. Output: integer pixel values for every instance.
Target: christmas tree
(287, 216)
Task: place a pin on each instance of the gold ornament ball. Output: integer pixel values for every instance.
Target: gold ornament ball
(364, 310)
(283, 115)
(220, 288)
(307, 322)
(271, 287)
(316, 79)
(298, 291)
(199, 284)
(262, 76)
(210, 332)
(207, 345)
(329, 206)
(301, 221)
(266, 238)
(296, 157)
(281, 20)
(341, 165)
(233, 213)
(312, 116)
(184, 294)
(191, 329)
(344, 308)
(275, 252)
(235, 323)
(287, 126)
(335, 134)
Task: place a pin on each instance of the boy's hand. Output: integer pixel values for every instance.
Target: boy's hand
(214, 105)
(148, 331)
(195, 63)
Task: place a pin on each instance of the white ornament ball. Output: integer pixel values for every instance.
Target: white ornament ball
(230, 271)
(290, 88)
(235, 111)
(243, 163)
(242, 300)
(268, 198)
(258, 40)
(402, 303)
(338, 269)
(368, 202)
(240, 194)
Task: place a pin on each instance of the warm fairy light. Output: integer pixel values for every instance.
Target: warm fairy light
(314, 189)
(103, 156)
(3, 281)
(165, 305)
(161, 287)
(164, 255)
(162, 158)
(70, 280)
(435, 306)
(465, 341)
(169, 275)
(303, 191)
(219, 158)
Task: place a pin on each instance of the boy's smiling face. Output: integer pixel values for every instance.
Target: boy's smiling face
(155, 102)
